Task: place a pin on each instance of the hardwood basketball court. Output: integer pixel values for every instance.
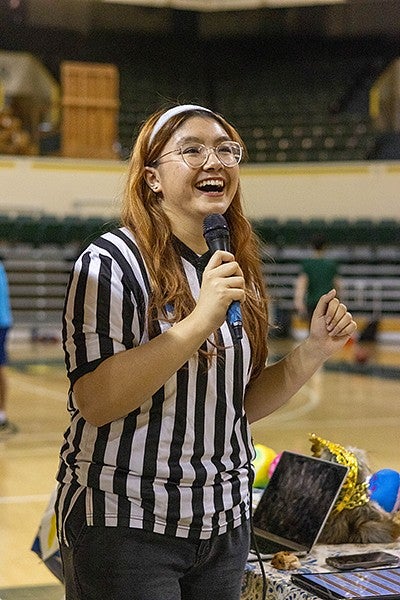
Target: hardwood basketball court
(349, 402)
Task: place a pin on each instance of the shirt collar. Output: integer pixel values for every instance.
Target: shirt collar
(198, 261)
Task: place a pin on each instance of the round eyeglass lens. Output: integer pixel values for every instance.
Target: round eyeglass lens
(229, 153)
(194, 155)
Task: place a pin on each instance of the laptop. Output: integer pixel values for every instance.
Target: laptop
(296, 504)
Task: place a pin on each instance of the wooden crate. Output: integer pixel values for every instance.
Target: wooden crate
(90, 104)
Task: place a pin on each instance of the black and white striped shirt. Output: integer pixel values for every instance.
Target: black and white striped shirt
(179, 464)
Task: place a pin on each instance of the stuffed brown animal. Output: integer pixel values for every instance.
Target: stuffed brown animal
(355, 518)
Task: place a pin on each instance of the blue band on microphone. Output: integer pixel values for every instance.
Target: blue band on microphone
(235, 319)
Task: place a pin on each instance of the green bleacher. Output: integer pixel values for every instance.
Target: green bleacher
(352, 233)
(48, 229)
(38, 252)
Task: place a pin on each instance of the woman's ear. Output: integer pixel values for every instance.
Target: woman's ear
(152, 179)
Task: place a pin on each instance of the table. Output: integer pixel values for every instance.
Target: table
(279, 586)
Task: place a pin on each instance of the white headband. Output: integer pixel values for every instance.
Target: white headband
(176, 110)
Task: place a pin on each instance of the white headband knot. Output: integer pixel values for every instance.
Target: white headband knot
(176, 110)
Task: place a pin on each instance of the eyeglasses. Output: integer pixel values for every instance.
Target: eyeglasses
(196, 155)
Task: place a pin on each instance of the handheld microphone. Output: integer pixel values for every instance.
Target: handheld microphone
(216, 234)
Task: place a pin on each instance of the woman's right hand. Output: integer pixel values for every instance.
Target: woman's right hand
(127, 379)
(222, 283)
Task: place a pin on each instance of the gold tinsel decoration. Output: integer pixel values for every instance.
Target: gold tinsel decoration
(352, 494)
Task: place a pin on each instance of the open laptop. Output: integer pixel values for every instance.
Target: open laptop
(296, 503)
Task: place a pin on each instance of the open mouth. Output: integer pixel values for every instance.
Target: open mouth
(211, 185)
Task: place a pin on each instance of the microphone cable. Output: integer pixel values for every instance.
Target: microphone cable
(257, 553)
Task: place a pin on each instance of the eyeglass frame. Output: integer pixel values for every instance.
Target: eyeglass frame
(208, 148)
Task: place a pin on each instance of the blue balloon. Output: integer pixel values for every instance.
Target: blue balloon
(384, 489)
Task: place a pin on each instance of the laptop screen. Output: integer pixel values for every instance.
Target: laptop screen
(298, 498)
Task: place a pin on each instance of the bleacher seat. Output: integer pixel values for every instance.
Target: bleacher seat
(388, 232)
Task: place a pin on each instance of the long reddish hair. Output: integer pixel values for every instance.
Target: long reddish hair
(143, 214)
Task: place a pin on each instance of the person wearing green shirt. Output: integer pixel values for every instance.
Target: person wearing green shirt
(318, 275)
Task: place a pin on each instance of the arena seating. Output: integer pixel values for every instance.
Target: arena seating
(296, 101)
(368, 255)
(37, 281)
(292, 98)
(38, 252)
(371, 283)
(340, 231)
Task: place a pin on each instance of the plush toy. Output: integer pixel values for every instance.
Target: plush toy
(384, 488)
(355, 517)
(261, 464)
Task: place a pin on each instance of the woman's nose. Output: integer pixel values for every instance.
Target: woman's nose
(212, 160)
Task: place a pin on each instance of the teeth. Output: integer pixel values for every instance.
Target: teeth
(214, 182)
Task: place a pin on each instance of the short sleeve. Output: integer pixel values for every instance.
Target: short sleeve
(101, 315)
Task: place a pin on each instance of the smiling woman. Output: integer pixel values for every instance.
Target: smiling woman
(155, 468)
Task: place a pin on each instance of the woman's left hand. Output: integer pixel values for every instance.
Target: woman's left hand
(331, 325)
(330, 328)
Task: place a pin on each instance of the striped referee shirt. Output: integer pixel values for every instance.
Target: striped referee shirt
(179, 464)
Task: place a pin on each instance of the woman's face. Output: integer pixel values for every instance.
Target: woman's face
(189, 194)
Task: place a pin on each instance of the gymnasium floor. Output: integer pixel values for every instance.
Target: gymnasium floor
(349, 402)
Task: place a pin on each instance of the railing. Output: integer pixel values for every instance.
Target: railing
(368, 288)
(37, 283)
(38, 279)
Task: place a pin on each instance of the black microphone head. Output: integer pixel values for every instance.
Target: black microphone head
(216, 232)
(214, 221)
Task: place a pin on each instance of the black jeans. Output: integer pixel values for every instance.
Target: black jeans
(122, 563)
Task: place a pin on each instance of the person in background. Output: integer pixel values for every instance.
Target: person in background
(155, 475)
(317, 276)
(6, 426)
